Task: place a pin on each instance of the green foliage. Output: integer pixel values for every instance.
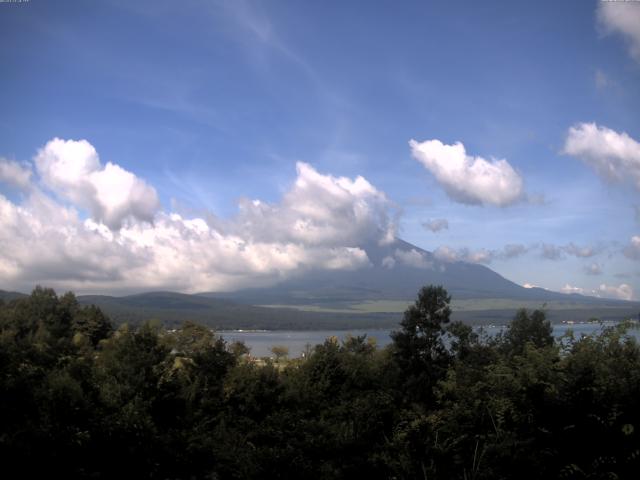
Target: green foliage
(419, 348)
(525, 328)
(80, 400)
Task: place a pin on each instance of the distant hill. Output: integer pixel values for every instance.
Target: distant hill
(8, 296)
(174, 308)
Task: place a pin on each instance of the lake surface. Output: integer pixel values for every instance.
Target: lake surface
(260, 342)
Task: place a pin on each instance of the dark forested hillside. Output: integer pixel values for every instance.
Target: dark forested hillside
(172, 309)
(80, 399)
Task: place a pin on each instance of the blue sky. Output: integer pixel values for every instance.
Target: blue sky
(210, 102)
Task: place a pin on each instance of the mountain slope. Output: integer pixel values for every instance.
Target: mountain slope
(8, 296)
(397, 272)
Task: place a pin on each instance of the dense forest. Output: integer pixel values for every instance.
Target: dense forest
(80, 398)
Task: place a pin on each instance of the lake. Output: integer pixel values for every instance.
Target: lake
(260, 342)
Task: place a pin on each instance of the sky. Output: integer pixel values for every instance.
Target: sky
(215, 145)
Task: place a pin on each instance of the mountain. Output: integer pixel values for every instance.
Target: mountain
(371, 297)
(398, 270)
(400, 278)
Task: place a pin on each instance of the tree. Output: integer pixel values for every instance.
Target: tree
(525, 328)
(280, 351)
(418, 348)
(91, 322)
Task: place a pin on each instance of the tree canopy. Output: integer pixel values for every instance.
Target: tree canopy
(80, 398)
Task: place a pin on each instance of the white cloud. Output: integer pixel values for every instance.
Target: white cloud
(614, 156)
(622, 18)
(320, 223)
(413, 258)
(448, 254)
(436, 224)
(15, 174)
(481, 255)
(112, 194)
(622, 291)
(581, 252)
(388, 262)
(467, 179)
(632, 250)
(319, 210)
(551, 252)
(513, 250)
(572, 289)
(557, 252)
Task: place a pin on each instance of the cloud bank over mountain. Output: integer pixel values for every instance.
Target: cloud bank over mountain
(94, 227)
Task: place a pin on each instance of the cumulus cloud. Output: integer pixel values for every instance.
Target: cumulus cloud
(622, 18)
(551, 252)
(467, 179)
(572, 289)
(581, 252)
(614, 156)
(482, 255)
(320, 223)
(513, 251)
(632, 250)
(413, 258)
(388, 262)
(557, 252)
(448, 254)
(622, 291)
(15, 174)
(436, 224)
(112, 194)
(319, 210)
